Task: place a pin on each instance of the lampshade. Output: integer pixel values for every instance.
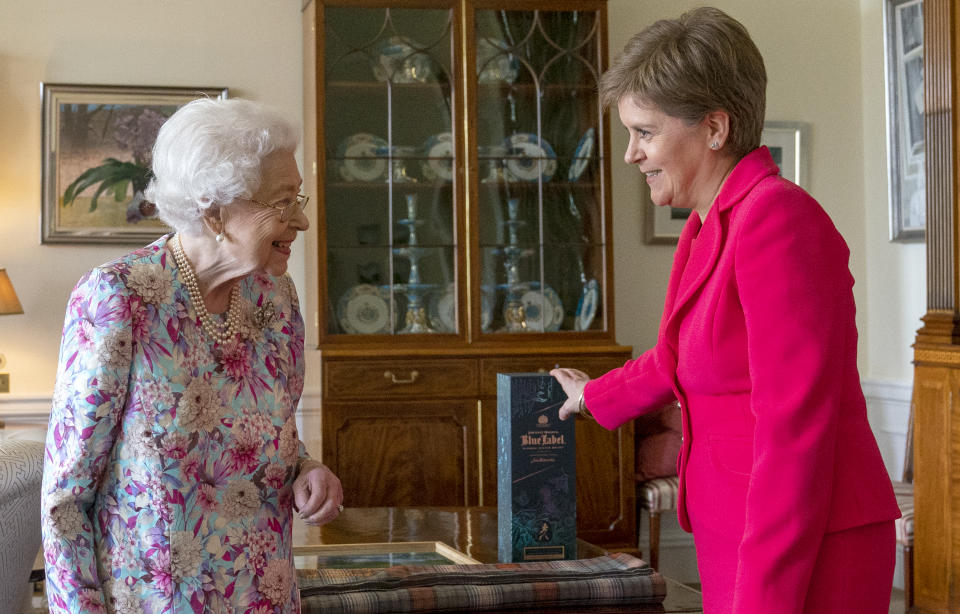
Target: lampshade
(9, 303)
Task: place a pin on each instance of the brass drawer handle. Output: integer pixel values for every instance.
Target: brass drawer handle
(390, 375)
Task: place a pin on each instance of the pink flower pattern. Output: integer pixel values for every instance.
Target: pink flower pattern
(125, 471)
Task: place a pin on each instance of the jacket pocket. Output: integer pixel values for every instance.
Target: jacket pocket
(732, 455)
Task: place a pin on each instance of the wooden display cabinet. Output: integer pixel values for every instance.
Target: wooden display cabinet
(462, 179)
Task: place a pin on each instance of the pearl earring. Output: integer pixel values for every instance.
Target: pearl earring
(221, 237)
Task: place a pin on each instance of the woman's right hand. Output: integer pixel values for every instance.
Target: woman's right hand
(573, 382)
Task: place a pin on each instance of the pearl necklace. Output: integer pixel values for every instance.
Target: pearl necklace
(219, 331)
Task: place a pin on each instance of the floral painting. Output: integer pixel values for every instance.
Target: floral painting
(97, 155)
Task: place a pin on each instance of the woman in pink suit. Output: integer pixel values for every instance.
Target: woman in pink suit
(781, 480)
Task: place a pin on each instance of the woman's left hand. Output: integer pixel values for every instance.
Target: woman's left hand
(317, 493)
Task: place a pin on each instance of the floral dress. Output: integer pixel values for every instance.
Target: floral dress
(170, 459)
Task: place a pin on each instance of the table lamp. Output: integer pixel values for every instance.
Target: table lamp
(9, 305)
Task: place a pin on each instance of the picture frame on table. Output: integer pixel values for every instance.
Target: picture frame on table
(96, 144)
(789, 145)
(906, 181)
(309, 558)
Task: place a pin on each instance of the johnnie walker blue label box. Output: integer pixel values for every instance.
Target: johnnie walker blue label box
(536, 470)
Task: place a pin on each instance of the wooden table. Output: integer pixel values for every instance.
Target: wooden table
(471, 530)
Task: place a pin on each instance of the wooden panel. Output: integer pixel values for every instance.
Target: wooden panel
(488, 451)
(605, 488)
(932, 541)
(403, 453)
(593, 366)
(399, 378)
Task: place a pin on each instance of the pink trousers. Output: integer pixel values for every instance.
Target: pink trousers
(853, 573)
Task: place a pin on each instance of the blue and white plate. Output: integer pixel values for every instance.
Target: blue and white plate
(360, 160)
(365, 310)
(581, 155)
(542, 310)
(495, 63)
(438, 150)
(587, 306)
(400, 62)
(442, 310)
(529, 158)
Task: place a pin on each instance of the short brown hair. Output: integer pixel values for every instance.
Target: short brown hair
(704, 61)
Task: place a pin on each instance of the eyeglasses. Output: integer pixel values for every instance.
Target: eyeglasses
(287, 209)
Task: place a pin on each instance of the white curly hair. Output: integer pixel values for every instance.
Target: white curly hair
(209, 153)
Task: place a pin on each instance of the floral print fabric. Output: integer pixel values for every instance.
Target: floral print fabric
(170, 459)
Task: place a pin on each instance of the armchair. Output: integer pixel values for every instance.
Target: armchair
(657, 438)
(21, 469)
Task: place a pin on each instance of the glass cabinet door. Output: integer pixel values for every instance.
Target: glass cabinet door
(389, 230)
(540, 189)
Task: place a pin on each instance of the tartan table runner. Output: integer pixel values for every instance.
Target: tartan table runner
(617, 579)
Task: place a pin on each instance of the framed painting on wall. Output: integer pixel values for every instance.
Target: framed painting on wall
(788, 143)
(97, 144)
(903, 39)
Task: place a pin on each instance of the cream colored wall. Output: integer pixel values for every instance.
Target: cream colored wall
(251, 46)
(821, 71)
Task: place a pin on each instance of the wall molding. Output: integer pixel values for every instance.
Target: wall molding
(21, 408)
(891, 390)
(888, 405)
(888, 409)
(32, 408)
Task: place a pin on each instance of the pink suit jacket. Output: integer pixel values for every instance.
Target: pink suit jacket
(758, 342)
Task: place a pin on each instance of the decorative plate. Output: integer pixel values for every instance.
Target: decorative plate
(496, 64)
(438, 150)
(400, 62)
(529, 158)
(542, 311)
(364, 310)
(360, 161)
(581, 155)
(443, 310)
(587, 306)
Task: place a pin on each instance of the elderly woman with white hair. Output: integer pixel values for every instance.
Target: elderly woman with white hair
(173, 464)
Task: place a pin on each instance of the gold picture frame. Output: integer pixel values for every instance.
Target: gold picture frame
(385, 554)
(97, 142)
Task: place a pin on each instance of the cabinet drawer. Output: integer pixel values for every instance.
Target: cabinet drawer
(593, 366)
(408, 378)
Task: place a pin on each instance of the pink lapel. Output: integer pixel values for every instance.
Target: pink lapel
(680, 258)
(702, 258)
(695, 262)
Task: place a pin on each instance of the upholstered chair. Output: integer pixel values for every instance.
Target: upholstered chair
(904, 492)
(21, 468)
(657, 438)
